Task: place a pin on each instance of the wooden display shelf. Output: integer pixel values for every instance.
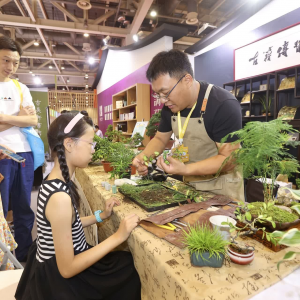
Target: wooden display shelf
(285, 90)
(140, 95)
(124, 121)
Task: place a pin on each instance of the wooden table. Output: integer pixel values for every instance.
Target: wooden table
(165, 270)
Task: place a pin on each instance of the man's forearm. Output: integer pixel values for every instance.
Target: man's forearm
(209, 166)
(4, 127)
(20, 121)
(154, 145)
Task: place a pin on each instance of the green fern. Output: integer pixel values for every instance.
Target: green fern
(264, 153)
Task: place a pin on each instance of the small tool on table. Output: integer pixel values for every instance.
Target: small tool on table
(168, 226)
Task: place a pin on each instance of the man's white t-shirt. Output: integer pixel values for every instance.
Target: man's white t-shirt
(99, 133)
(10, 101)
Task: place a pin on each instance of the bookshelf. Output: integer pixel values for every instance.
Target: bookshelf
(135, 108)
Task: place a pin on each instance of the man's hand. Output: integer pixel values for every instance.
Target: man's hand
(175, 166)
(139, 163)
(4, 156)
(27, 111)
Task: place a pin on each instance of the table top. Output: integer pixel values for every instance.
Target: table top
(166, 271)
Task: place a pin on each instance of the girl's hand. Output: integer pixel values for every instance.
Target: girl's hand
(126, 226)
(110, 203)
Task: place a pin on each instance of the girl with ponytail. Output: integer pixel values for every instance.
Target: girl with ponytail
(61, 265)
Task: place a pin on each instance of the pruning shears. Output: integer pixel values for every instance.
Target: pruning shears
(168, 226)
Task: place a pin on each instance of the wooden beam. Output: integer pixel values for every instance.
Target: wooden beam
(104, 17)
(44, 64)
(140, 15)
(215, 6)
(42, 9)
(72, 48)
(59, 72)
(28, 44)
(73, 65)
(29, 10)
(56, 25)
(3, 2)
(44, 41)
(65, 16)
(63, 10)
(20, 7)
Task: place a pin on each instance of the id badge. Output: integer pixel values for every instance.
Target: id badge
(181, 153)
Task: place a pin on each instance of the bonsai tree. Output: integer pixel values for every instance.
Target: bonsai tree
(152, 126)
(136, 141)
(113, 135)
(120, 158)
(206, 246)
(264, 153)
(102, 148)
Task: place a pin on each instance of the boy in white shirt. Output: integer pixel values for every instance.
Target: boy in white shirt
(98, 131)
(18, 178)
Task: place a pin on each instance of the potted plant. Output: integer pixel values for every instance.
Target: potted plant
(152, 126)
(249, 225)
(136, 141)
(262, 100)
(264, 153)
(120, 158)
(206, 246)
(113, 135)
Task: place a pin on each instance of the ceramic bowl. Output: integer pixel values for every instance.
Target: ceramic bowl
(217, 220)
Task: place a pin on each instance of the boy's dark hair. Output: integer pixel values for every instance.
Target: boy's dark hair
(173, 62)
(56, 137)
(64, 111)
(96, 126)
(7, 43)
(85, 113)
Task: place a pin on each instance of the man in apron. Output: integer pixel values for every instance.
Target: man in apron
(200, 115)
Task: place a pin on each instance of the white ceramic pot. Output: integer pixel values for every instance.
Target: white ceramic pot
(217, 220)
(241, 259)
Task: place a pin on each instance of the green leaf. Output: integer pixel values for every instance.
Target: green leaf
(277, 234)
(248, 216)
(291, 238)
(145, 158)
(268, 237)
(232, 230)
(273, 224)
(156, 153)
(265, 205)
(296, 208)
(290, 255)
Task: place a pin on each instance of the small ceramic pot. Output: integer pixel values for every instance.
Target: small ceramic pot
(240, 259)
(212, 262)
(133, 170)
(216, 222)
(107, 167)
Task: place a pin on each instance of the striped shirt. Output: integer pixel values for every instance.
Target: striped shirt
(45, 245)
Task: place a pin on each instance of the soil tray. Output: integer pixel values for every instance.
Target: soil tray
(152, 197)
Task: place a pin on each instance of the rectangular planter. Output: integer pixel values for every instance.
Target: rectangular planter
(212, 262)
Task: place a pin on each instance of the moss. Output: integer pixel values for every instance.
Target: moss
(277, 214)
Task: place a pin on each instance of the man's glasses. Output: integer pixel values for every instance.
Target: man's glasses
(165, 97)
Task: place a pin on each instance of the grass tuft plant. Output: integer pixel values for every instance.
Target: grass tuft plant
(201, 238)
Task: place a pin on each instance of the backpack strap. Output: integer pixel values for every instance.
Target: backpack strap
(17, 84)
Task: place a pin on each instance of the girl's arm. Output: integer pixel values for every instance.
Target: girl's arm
(90, 220)
(59, 214)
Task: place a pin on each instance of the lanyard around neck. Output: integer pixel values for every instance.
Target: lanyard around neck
(181, 130)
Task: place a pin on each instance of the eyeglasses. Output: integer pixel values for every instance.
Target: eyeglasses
(165, 97)
(79, 139)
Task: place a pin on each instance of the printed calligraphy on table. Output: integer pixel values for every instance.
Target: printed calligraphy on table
(275, 52)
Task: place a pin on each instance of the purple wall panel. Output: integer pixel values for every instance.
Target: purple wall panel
(105, 97)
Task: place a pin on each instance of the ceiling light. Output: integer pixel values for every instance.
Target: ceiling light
(37, 80)
(86, 92)
(36, 43)
(30, 72)
(68, 80)
(63, 89)
(62, 67)
(86, 85)
(135, 37)
(50, 67)
(91, 60)
(153, 13)
(86, 98)
(86, 35)
(86, 76)
(84, 4)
